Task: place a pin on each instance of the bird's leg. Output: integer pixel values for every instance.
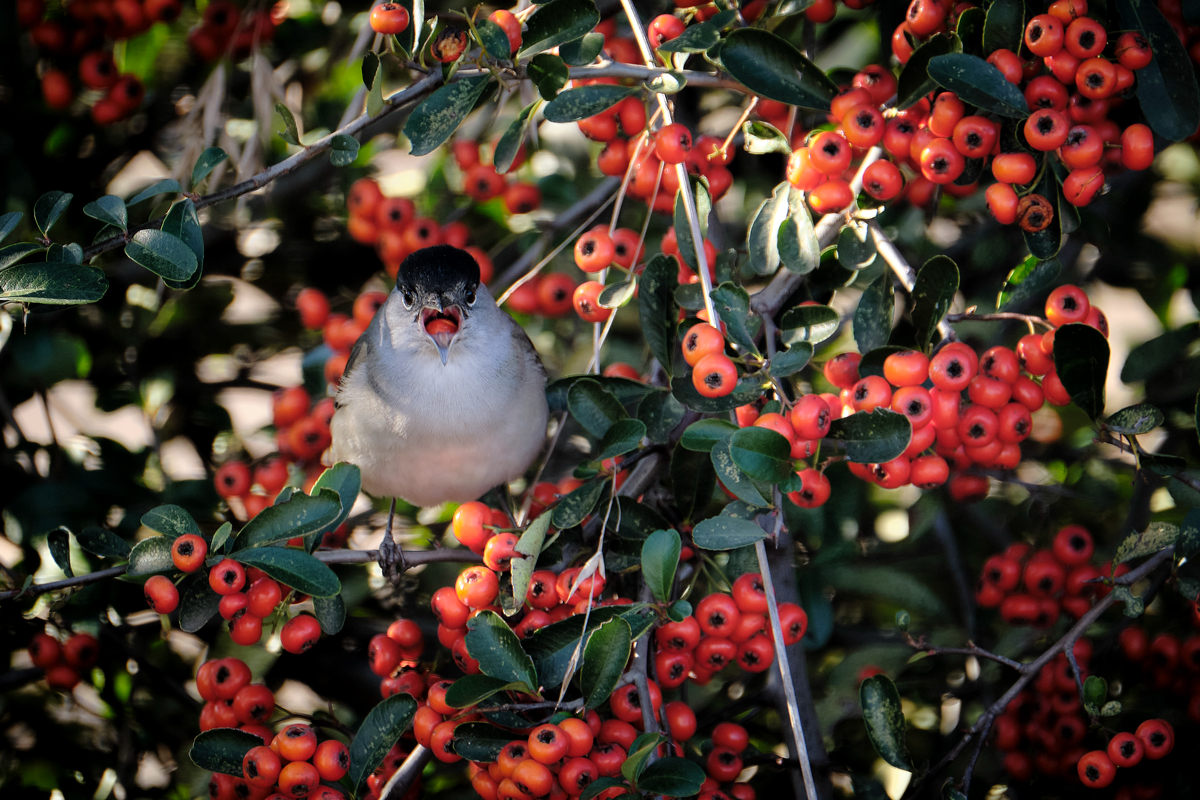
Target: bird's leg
(505, 499)
(391, 557)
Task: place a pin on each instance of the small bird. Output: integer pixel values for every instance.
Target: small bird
(444, 396)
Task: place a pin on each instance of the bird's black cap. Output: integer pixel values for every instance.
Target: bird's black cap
(439, 269)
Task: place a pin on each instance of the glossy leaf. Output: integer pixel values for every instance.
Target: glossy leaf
(582, 51)
(59, 543)
(884, 720)
(1004, 28)
(344, 480)
(970, 30)
(330, 613)
(198, 603)
(693, 480)
(585, 101)
(110, 210)
(1135, 420)
(183, 222)
(761, 453)
(572, 509)
(762, 239)
(222, 750)
(343, 150)
(1166, 87)
(479, 741)
(594, 407)
(672, 776)
(661, 413)
(732, 304)
(799, 248)
(302, 515)
(150, 556)
(660, 557)
(747, 391)
(221, 538)
(1081, 360)
(471, 689)
(9, 223)
(17, 251)
(1028, 279)
(48, 208)
(604, 660)
(771, 67)
(623, 437)
(978, 83)
(657, 309)
(703, 435)
(871, 438)
(914, 82)
(171, 521)
(727, 533)
(618, 294)
(163, 254)
(683, 231)
(291, 134)
(493, 39)
(206, 163)
(549, 74)
(103, 542)
(529, 546)
(733, 479)
(557, 22)
(790, 361)
(811, 324)
(1155, 537)
(293, 567)
(695, 39)
(932, 294)
(382, 728)
(639, 755)
(52, 283)
(873, 317)
(855, 247)
(434, 121)
(551, 647)
(165, 186)
(761, 138)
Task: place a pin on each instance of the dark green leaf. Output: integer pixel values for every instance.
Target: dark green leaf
(330, 613)
(52, 283)
(1160, 354)
(294, 567)
(171, 521)
(884, 720)
(799, 249)
(695, 39)
(855, 248)
(551, 647)
(198, 603)
(771, 67)
(1135, 606)
(762, 239)
(1188, 543)
(103, 542)
(705, 434)
(657, 309)
(432, 122)
(692, 481)
(498, 650)
(604, 660)
(183, 222)
(343, 149)
(639, 754)
(671, 82)
(1081, 360)
(150, 556)
(222, 750)
(1095, 692)
(873, 317)
(672, 776)
(1156, 536)
(530, 547)
(661, 413)
(599, 785)
(813, 324)
(914, 82)
(594, 407)
(471, 689)
(18, 250)
(572, 509)
(206, 163)
(9, 223)
(290, 133)
(761, 138)
(479, 741)
(585, 101)
(790, 361)
(59, 542)
(382, 728)
(747, 391)
(1029, 278)
(932, 294)
(48, 208)
(874, 437)
(345, 480)
(221, 538)
(1166, 87)
(727, 533)
(761, 453)
(733, 479)
(164, 254)
(660, 557)
(493, 39)
(623, 437)
(970, 30)
(979, 83)
(557, 22)
(110, 210)
(683, 231)
(302, 515)
(1004, 28)
(616, 295)
(732, 304)
(1135, 420)
(510, 143)
(582, 51)
(549, 74)
(165, 186)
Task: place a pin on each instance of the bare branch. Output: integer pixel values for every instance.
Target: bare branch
(903, 270)
(402, 779)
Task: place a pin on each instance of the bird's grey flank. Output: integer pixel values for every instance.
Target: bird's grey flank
(444, 396)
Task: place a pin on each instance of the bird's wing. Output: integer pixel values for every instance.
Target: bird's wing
(526, 345)
(359, 351)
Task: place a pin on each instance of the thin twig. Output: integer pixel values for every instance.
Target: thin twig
(408, 771)
(903, 270)
(970, 650)
(999, 315)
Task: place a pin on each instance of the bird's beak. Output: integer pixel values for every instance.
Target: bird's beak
(442, 326)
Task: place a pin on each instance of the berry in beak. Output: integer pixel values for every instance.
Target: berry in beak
(442, 326)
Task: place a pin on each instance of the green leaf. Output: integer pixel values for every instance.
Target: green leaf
(695, 39)
(1135, 606)
(657, 309)
(979, 83)
(762, 238)
(585, 101)
(604, 660)
(48, 208)
(302, 515)
(884, 720)
(1111, 708)
(330, 613)
(932, 294)
(530, 547)
(855, 247)
(572, 509)
(103, 542)
(799, 248)
(582, 51)
(623, 437)
(293, 567)
(639, 753)
(18, 250)
(479, 741)
(165, 186)
(59, 543)
(727, 533)
(471, 689)
(732, 477)
(549, 74)
(171, 521)
(1095, 692)
(1166, 87)
(703, 435)
(222, 750)
(672, 776)
(683, 231)
(970, 30)
(762, 454)
(498, 650)
(874, 437)
(790, 361)
(771, 67)
(873, 317)
(343, 149)
(9, 223)
(732, 305)
(221, 538)
(1155, 537)
(616, 295)
(761, 138)
(493, 39)
(110, 210)
(551, 647)
(1029, 278)
(183, 222)
(914, 82)
(813, 324)
(661, 413)
(205, 163)
(1004, 28)
(1160, 354)
(660, 557)
(557, 22)
(198, 603)
(382, 728)
(748, 390)
(510, 143)
(431, 123)
(345, 481)
(594, 407)
(291, 134)
(599, 785)
(1081, 360)
(1135, 420)
(52, 283)
(150, 556)
(886, 583)
(163, 254)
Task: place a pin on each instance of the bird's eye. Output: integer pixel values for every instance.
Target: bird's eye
(470, 297)
(408, 298)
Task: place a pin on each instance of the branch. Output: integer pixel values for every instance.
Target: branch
(970, 650)
(616, 69)
(999, 315)
(903, 270)
(402, 779)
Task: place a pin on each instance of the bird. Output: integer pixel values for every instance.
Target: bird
(443, 396)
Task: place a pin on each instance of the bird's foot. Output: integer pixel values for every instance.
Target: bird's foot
(391, 557)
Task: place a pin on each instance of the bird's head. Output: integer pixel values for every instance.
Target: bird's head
(440, 286)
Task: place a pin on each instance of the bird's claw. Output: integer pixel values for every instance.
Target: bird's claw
(391, 557)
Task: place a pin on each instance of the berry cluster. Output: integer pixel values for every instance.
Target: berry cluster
(1153, 739)
(1167, 662)
(224, 28)
(64, 662)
